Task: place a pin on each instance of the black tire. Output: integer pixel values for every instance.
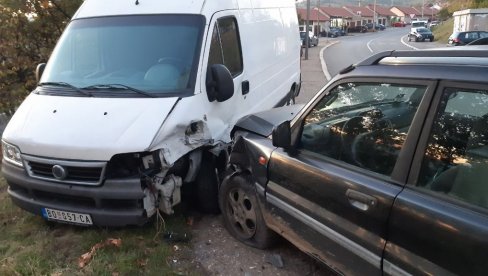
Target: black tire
(291, 96)
(241, 213)
(207, 186)
(409, 38)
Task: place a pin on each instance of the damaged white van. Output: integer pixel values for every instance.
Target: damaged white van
(137, 101)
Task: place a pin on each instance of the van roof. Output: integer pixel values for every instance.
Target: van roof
(97, 8)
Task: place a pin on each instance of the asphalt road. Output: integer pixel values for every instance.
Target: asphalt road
(356, 47)
(334, 54)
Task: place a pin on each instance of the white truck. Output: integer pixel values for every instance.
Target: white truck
(137, 101)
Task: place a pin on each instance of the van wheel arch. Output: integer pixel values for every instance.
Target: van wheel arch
(208, 179)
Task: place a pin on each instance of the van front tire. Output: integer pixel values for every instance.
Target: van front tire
(207, 185)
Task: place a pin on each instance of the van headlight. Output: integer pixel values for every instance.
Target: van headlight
(12, 154)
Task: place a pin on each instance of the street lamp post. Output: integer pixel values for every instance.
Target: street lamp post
(374, 16)
(307, 25)
(423, 4)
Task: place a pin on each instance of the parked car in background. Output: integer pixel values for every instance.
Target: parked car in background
(463, 38)
(398, 24)
(330, 33)
(357, 29)
(338, 31)
(378, 27)
(432, 24)
(313, 40)
(420, 34)
(383, 172)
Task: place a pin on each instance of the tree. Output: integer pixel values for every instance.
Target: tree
(29, 30)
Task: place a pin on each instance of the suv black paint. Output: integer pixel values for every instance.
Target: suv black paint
(383, 171)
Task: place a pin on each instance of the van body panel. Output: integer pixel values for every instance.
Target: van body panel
(84, 128)
(154, 135)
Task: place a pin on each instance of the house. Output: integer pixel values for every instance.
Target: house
(339, 17)
(384, 14)
(471, 20)
(317, 21)
(362, 16)
(405, 14)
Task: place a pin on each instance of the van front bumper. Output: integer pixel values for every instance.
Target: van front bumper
(117, 202)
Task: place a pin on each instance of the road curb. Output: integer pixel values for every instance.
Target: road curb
(322, 61)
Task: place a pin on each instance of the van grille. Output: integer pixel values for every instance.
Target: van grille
(73, 172)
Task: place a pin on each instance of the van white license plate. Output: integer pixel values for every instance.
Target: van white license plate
(64, 216)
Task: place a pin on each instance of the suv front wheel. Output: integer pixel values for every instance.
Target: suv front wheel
(241, 213)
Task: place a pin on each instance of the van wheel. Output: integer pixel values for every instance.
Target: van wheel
(241, 213)
(207, 185)
(290, 98)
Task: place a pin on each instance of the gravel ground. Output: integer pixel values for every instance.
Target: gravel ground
(215, 252)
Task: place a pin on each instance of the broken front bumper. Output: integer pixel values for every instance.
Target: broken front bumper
(117, 202)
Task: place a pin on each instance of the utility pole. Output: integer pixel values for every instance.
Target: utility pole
(423, 4)
(307, 25)
(374, 16)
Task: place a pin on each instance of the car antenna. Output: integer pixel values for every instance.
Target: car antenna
(137, 2)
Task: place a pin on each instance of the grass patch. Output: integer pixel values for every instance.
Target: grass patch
(31, 246)
(443, 31)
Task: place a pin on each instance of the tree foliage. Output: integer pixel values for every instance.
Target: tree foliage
(29, 30)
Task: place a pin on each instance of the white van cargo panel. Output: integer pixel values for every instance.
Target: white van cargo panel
(123, 7)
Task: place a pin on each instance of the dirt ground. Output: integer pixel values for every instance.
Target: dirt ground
(212, 251)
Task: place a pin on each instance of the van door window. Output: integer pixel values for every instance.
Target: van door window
(363, 124)
(225, 47)
(456, 159)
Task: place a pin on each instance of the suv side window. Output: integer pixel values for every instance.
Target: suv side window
(456, 159)
(225, 47)
(364, 124)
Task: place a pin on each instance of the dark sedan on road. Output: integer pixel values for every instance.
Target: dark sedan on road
(357, 29)
(383, 172)
(420, 34)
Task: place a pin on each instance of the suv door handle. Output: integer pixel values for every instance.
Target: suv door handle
(360, 200)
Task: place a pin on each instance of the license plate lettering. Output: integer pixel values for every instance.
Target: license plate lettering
(65, 216)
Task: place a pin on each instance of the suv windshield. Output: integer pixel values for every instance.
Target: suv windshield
(154, 54)
(423, 30)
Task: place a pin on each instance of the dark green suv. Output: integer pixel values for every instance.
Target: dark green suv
(384, 171)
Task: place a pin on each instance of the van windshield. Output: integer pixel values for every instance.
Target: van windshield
(150, 54)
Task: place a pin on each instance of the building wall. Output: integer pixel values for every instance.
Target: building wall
(471, 22)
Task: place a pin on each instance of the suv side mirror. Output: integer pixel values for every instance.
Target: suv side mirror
(39, 70)
(282, 135)
(220, 85)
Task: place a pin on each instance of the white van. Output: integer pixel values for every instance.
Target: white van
(419, 24)
(137, 102)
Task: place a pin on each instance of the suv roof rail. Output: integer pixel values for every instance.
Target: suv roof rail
(431, 53)
(442, 52)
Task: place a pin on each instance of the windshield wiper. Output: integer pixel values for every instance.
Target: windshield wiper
(119, 86)
(65, 84)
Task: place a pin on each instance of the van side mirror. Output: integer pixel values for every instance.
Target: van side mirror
(220, 85)
(282, 135)
(39, 70)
